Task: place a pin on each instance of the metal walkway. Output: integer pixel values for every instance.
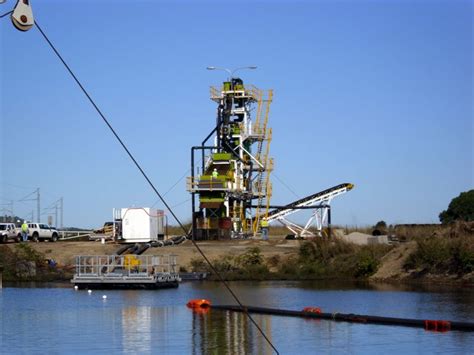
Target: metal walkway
(126, 271)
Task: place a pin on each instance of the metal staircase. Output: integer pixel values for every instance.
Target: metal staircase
(262, 185)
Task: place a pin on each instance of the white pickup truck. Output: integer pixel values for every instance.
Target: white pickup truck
(9, 231)
(42, 231)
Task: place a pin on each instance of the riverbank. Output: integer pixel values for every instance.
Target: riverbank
(423, 259)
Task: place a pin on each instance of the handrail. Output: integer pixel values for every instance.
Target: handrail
(248, 90)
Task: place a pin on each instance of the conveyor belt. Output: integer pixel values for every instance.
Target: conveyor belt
(309, 200)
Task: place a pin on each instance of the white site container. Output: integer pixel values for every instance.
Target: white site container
(142, 224)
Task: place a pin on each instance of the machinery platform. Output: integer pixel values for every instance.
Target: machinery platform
(126, 272)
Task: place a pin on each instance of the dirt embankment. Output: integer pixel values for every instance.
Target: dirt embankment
(392, 264)
(64, 252)
(437, 258)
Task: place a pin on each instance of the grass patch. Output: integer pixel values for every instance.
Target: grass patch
(24, 263)
(318, 259)
(324, 258)
(248, 266)
(440, 255)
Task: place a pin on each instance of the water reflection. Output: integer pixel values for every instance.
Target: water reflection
(136, 329)
(229, 332)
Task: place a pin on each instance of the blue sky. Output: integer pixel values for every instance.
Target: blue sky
(377, 93)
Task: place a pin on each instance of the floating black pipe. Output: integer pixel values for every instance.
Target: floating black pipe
(435, 325)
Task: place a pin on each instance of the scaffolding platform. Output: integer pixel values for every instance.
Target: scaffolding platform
(126, 272)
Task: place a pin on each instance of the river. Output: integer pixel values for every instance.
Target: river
(57, 319)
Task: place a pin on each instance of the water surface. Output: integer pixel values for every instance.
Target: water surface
(61, 320)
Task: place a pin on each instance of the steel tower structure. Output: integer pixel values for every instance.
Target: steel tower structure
(234, 171)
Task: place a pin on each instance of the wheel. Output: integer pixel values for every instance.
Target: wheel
(35, 237)
(54, 238)
(18, 238)
(3, 239)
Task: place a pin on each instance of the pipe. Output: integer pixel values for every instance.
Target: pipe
(142, 249)
(122, 249)
(434, 325)
(172, 241)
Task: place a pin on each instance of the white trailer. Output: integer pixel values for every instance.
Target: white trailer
(140, 224)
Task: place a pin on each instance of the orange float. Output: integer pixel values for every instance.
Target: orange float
(312, 310)
(437, 325)
(199, 303)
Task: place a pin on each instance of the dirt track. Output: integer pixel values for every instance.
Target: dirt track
(64, 252)
(391, 265)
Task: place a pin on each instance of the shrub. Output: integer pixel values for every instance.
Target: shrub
(463, 255)
(24, 263)
(432, 254)
(288, 268)
(460, 208)
(198, 265)
(441, 255)
(367, 264)
(323, 249)
(252, 256)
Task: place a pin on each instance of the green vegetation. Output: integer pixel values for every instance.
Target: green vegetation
(23, 263)
(461, 208)
(248, 266)
(316, 259)
(324, 258)
(441, 250)
(380, 228)
(442, 255)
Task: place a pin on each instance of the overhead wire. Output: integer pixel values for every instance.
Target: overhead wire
(173, 186)
(153, 186)
(25, 198)
(181, 203)
(284, 184)
(8, 13)
(177, 182)
(18, 186)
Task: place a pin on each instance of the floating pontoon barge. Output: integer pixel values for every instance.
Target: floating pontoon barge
(126, 272)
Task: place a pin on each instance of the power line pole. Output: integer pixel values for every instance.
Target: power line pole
(38, 204)
(8, 210)
(61, 206)
(56, 215)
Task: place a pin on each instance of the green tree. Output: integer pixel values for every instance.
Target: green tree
(380, 228)
(461, 208)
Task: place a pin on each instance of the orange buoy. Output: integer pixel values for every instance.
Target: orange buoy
(437, 325)
(199, 303)
(312, 310)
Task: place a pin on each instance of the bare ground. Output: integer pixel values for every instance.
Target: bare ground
(391, 265)
(64, 252)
